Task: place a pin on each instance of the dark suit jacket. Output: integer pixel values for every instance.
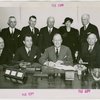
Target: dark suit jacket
(11, 41)
(92, 58)
(5, 57)
(64, 55)
(70, 39)
(45, 39)
(35, 36)
(84, 33)
(21, 54)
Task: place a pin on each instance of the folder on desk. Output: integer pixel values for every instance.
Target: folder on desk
(64, 67)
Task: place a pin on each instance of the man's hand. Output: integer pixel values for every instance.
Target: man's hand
(80, 61)
(24, 64)
(59, 62)
(49, 63)
(46, 63)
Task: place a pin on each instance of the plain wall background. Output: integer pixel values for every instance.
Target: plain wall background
(42, 10)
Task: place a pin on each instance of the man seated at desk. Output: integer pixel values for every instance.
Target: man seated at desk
(90, 53)
(57, 54)
(5, 55)
(28, 52)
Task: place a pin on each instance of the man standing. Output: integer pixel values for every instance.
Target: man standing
(58, 53)
(87, 28)
(11, 35)
(46, 34)
(31, 29)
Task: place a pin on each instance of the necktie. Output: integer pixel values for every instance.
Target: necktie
(49, 31)
(33, 31)
(90, 49)
(57, 53)
(29, 52)
(12, 32)
(84, 27)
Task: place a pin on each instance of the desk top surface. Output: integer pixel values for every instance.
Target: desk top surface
(42, 80)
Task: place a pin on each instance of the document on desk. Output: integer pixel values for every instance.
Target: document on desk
(64, 67)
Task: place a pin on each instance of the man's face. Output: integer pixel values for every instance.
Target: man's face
(50, 22)
(12, 22)
(85, 20)
(32, 22)
(28, 42)
(57, 40)
(68, 24)
(91, 39)
(1, 43)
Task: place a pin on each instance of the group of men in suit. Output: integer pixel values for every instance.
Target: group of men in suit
(32, 45)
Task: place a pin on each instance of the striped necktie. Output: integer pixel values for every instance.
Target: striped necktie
(90, 49)
(29, 52)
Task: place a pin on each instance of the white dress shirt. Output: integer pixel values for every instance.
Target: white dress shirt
(27, 49)
(85, 27)
(50, 29)
(1, 51)
(32, 29)
(12, 30)
(58, 49)
(91, 47)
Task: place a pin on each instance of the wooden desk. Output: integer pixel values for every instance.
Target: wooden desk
(40, 80)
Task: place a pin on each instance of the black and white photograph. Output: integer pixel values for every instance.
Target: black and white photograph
(50, 45)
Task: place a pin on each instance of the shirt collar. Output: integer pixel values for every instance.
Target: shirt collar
(1, 51)
(50, 28)
(10, 29)
(91, 47)
(87, 25)
(58, 49)
(27, 49)
(31, 28)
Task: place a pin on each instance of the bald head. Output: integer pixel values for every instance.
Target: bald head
(50, 22)
(1, 43)
(57, 40)
(85, 18)
(92, 39)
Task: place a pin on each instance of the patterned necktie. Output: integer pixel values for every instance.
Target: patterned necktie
(33, 31)
(57, 53)
(29, 52)
(90, 49)
(49, 31)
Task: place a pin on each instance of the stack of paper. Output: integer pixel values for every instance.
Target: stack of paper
(64, 67)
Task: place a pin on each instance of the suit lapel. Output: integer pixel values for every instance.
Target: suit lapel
(8, 31)
(47, 30)
(60, 53)
(29, 29)
(25, 52)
